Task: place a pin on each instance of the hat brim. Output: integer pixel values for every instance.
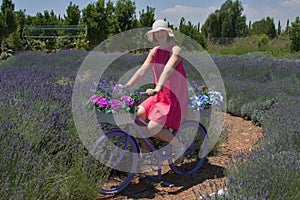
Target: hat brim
(150, 34)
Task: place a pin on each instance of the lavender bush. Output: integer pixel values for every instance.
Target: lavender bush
(264, 90)
(41, 155)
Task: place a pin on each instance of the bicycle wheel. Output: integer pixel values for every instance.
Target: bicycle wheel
(194, 136)
(119, 151)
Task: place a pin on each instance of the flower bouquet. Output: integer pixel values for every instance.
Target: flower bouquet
(112, 102)
(201, 99)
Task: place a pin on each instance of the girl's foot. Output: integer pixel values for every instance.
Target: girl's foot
(179, 155)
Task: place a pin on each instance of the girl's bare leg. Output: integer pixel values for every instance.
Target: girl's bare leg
(158, 131)
(141, 113)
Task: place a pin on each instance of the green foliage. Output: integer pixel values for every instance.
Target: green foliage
(192, 31)
(125, 13)
(277, 47)
(9, 22)
(73, 15)
(7, 4)
(5, 52)
(294, 33)
(94, 17)
(226, 22)
(264, 26)
(262, 41)
(14, 41)
(2, 26)
(279, 28)
(81, 44)
(147, 18)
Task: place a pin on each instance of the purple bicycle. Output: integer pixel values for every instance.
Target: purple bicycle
(121, 149)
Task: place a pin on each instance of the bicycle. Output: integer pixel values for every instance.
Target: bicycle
(118, 142)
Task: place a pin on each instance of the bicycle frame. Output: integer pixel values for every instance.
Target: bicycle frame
(160, 157)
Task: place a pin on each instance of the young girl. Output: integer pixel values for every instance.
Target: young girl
(167, 102)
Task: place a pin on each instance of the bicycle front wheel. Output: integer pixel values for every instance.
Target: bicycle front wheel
(194, 137)
(119, 152)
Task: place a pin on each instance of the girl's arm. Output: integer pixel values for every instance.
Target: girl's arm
(142, 71)
(169, 68)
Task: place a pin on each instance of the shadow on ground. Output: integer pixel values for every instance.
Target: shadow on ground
(145, 187)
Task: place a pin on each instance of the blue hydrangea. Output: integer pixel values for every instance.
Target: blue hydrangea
(199, 102)
(202, 98)
(215, 98)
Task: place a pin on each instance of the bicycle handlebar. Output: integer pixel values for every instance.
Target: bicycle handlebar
(143, 93)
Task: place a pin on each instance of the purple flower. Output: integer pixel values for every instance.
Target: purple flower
(103, 103)
(128, 101)
(116, 104)
(95, 98)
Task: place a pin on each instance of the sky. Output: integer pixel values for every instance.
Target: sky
(192, 10)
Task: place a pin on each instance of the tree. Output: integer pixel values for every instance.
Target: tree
(226, 22)
(125, 13)
(264, 26)
(232, 20)
(192, 31)
(7, 10)
(112, 21)
(287, 25)
(7, 4)
(279, 28)
(73, 14)
(2, 26)
(294, 34)
(212, 27)
(94, 16)
(147, 18)
(270, 28)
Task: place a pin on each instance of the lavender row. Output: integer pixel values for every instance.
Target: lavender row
(41, 155)
(264, 90)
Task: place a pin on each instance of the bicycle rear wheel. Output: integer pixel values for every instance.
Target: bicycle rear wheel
(119, 152)
(194, 136)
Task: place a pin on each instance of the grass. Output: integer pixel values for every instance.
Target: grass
(278, 47)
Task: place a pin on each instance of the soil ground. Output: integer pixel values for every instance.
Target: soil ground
(241, 135)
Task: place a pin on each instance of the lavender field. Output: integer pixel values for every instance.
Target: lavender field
(42, 156)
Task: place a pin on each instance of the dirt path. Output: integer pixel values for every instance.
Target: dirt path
(241, 136)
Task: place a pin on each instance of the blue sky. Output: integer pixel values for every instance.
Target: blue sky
(193, 10)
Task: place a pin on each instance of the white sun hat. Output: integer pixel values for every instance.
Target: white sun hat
(157, 26)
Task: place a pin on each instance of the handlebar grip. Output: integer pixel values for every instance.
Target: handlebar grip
(143, 93)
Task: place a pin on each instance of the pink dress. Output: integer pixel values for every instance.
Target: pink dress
(169, 105)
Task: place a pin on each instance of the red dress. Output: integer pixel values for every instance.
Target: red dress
(169, 105)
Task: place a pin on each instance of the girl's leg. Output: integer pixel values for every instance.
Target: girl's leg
(141, 113)
(158, 131)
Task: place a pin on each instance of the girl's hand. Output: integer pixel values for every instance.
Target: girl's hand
(151, 92)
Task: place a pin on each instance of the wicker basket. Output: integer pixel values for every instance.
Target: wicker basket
(197, 114)
(119, 118)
